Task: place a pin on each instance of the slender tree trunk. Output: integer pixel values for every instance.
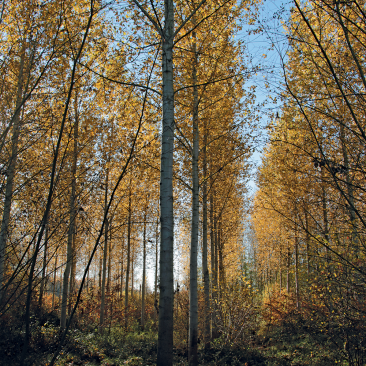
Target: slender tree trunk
(325, 214)
(166, 303)
(307, 239)
(105, 254)
(193, 291)
(143, 272)
(132, 271)
(44, 268)
(11, 173)
(280, 267)
(71, 232)
(109, 266)
(156, 270)
(72, 271)
(128, 256)
(54, 282)
(206, 276)
(100, 270)
(122, 267)
(288, 268)
(297, 286)
(220, 246)
(214, 266)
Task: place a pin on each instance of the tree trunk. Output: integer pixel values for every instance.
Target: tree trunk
(166, 303)
(288, 268)
(109, 266)
(128, 256)
(10, 173)
(122, 268)
(54, 283)
(105, 254)
(132, 271)
(206, 276)
(307, 239)
(297, 288)
(214, 266)
(156, 270)
(280, 260)
(220, 246)
(193, 291)
(143, 273)
(325, 215)
(71, 232)
(73, 271)
(44, 267)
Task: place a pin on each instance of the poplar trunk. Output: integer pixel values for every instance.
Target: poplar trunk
(105, 254)
(71, 232)
(10, 173)
(193, 294)
(166, 296)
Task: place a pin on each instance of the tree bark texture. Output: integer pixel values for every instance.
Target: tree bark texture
(128, 256)
(206, 276)
(193, 291)
(71, 231)
(11, 173)
(105, 254)
(166, 297)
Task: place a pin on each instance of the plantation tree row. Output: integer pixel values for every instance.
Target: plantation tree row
(309, 211)
(91, 181)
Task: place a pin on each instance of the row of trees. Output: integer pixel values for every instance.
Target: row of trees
(309, 210)
(81, 103)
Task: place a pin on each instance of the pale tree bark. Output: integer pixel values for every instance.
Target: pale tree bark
(288, 268)
(214, 266)
(280, 260)
(110, 250)
(143, 271)
(220, 247)
(72, 281)
(156, 270)
(297, 285)
(54, 282)
(325, 214)
(132, 271)
(128, 255)
(44, 268)
(206, 276)
(193, 294)
(122, 267)
(71, 231)
(105, 254)
(307, 240)
(10, 172)
(166, 298)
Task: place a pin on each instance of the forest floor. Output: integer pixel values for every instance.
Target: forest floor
(116, 347)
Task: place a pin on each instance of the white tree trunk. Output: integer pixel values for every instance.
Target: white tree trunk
(165, 333)
(143, 273)
(105, 253)
(206, 276)
(11, 173)
(71, 232)
(128, 256)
